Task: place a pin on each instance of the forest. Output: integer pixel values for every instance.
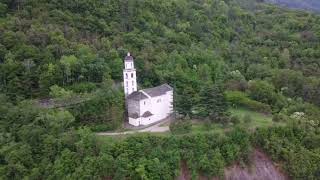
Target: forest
(61, 72)
(312, 5)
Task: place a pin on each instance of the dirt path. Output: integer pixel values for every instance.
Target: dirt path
(153, 129)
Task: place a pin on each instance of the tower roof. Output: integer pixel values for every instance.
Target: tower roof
(128, 57)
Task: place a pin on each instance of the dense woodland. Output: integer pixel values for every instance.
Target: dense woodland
(216, 54)
(311, 5)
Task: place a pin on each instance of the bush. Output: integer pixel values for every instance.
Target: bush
(235, 120)
(84, 87)
(286, 145)
(247, 119)
(181, 126)
(59, 92)
(278, 118)
(103, 127)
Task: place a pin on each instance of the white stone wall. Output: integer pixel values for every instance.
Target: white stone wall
(133, 106)
(129, 81)
(134, 122)
(160, 107)
(146, 105)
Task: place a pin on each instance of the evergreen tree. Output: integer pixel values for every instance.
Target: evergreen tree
(186, 101)
(213, 103)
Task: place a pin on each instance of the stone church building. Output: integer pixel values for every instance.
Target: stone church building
(145, 106)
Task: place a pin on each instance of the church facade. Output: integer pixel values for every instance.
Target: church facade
(145, 106)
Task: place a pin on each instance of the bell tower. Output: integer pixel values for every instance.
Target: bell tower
(129, 75)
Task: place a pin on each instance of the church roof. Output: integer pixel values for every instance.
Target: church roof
(137, 95)
(152, 92)
(158, 91)
(147, 114)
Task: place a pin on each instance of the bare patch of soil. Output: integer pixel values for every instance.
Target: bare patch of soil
(262, 168)
(184, 172)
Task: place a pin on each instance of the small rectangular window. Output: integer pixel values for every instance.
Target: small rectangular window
(132, 75)
(144, 102)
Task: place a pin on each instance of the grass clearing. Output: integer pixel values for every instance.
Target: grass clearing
(199, 126)
(258, 119)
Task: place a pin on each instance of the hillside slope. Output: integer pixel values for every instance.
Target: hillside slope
(313, 5)
(261, 168)
(266, 59)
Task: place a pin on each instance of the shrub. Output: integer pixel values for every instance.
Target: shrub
(59, 92)
(278, 118)
(247, 119)
(180, 126)
(235, 120)
(84, 87)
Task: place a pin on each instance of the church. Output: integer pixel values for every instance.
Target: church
(145, 106)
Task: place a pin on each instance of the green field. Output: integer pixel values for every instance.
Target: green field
(258, 119)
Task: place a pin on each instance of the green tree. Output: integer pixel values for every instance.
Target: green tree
(3, 9)
(262, 91)
(213, 163)
(185, 105)
(284, 60)
(213, 103)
